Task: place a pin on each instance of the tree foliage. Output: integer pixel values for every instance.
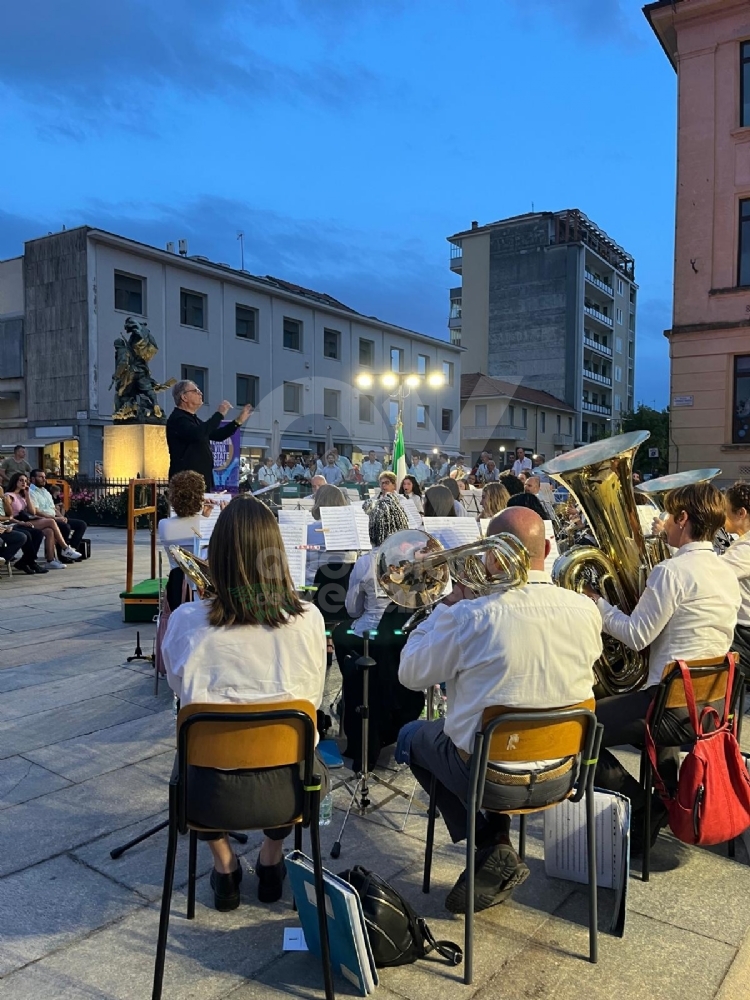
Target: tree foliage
(646, 418)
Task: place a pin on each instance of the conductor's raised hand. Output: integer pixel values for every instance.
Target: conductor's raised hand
(224, 408)
(244, 414)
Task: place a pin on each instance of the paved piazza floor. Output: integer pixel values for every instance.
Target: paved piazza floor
(85, 754)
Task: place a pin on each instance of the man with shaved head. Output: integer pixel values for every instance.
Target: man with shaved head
(532, 647)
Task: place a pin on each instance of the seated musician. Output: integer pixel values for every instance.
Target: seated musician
(369, 606)
(253, 641)
(529, 648)
(738, 557)
(185, 496)
(687, 611)
(326, 496)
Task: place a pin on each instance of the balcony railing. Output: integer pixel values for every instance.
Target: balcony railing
(562, 439)
(596, 408)
(596, 377)
(456, 337)
(456, 258)
(597, 315)
(596, 346)
(599, 283)
(454, 322)
(492, 432)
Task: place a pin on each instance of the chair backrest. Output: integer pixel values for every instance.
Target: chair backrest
(331, 584)
(277, 739)
(709, 679)
(535, 734)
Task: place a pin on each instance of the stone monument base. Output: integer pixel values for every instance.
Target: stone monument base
(132, 450)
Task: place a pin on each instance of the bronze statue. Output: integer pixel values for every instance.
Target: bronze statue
(135, 389)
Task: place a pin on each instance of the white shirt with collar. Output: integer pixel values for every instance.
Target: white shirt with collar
(291, 474)
(332, 475)
(365, 602)
(371, 470)
(43, 501)
(268, 475)
(533, 647)
(737, 556)
(688, 610)
(421, 472)
(244, 663)
(521, 466)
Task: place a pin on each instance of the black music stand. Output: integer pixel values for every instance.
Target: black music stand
(360, 799)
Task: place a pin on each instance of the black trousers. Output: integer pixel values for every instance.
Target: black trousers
(11, 542)
(741, 645)
(73, 531)
(624, 719)
(34, 538)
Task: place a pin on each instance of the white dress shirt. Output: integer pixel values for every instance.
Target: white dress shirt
(364, 601)
(178, 531)
(291, 473)
(43, 501)
(320, 557)
(521, 466)
(245, 664)
(417, 501)
(533, 647)
(371, 470)
(460, 510)
(737, 556)
(687, 611)
(267, 475)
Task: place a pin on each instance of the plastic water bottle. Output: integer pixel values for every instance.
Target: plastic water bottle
(326, 811)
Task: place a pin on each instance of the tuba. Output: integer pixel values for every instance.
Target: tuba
(194, 568)
(655, 489)
(599, 475)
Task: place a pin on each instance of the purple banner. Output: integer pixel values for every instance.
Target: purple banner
(227, 462)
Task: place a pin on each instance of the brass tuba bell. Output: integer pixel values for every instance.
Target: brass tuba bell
(655, 489)
(194, 568)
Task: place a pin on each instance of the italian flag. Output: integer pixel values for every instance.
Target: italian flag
(399, 455)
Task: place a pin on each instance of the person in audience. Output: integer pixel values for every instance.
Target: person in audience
(185, 495)
(495, 499)
(450, 484)
(438, 502)
(331, 471)
(20, 506)
(371, 468)
(522, 463)
(491, 473)
(13, 464)
(530, 501)
(687, 611)
(481, 467)
(311, 469)
(71, 528)
(253, 641)
(11, 543)
(410, 488)
(32, 541)
(268, 474)
(343, 463)
(293, 471)
(326, 496)
(512, 483)
(737, 557)
(420, 469)
(492, 651)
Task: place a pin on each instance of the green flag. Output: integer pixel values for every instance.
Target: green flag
(399, 455)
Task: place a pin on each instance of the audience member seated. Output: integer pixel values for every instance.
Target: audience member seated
(185, 496)
(254, 641)
(326, 496)
(33, 539)
(72, 529)
(439, 502)
(20, 506)
(11, 544)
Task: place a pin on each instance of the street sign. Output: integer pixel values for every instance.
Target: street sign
(682, 400)
(653, 452)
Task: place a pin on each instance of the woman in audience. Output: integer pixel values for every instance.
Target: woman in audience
(185, 495)
(19, 505)
(737, 556)
(495, 498)
(410, 488)
(327, 496)
(452, 485)
(439, 502)
(252, 641)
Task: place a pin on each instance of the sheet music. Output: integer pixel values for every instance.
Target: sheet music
(295, 517)
(352, 493)
(301, 503)
(646, 516)
(484, 524)
(472, 500)
(410, 509)
(549, 531)
(213, 505)
(345, 528)
(452, 531)
(294, 538)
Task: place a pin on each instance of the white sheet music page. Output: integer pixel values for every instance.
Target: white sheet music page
(452, 531)
(345, 528)
(213, 505)
(549, 562)
(294, 538)
(484, 524)
(295, 517)
(412, 514)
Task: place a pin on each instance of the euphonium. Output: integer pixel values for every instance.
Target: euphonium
(600, 477)
(194, 568)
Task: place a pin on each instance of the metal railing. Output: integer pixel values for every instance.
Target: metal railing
(596, 408)
(596, 346)
(599, 283)
(596, 314)
(596, 377)
(491, 432)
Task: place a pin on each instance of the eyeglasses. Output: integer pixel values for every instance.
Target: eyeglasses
(192, 390)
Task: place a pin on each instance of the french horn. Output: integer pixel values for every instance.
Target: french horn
(194, 568)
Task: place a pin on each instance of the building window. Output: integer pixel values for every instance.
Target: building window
(743, 277)
(620, 287)
(570, 425)
(423, 413)
(448, 372)
(366, 409)
(129, 295)
(246, 322)
(618, 315)
(292, 397)
(617, 401)
(618, 345)
(480, 415)
(246, 390)
(192, 309)
(524, 418)
(332, 345)
(745, 84)
(397, 359)
(331, 403)
(197, 375)
(543, 421)
(559, 419)
(618, 373)
(292, 335)
(423, 364)
(366, 352)
(393, 412)
(741, 420)
(512, 416)
(446, 418)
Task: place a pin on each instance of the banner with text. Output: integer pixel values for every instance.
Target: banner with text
(227, 461)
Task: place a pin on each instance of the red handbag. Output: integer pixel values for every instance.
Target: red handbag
(712, 801)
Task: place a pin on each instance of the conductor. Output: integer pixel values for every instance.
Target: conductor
(188, 437)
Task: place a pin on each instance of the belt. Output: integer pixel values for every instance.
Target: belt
(496, 777)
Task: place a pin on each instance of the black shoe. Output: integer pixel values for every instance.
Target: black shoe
(497, 871)
(26, 567)
(270, 881)
(227, 888)
(39, 569)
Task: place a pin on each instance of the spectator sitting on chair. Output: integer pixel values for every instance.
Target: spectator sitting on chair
(71, 528)
(32, 541)
(20, 506)
(185, 495)
(12, 543)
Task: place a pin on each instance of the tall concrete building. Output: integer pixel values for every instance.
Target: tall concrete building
(708, 44)
(550, 299)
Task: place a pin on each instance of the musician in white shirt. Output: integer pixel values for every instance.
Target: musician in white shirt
(521, 464)
(371, 468)
(532, 647)
(687, 611)
(737, 556)
(268, 474)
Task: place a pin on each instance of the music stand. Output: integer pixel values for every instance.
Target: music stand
(361, 787)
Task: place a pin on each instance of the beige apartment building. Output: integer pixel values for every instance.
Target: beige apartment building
(708, 44)
(500, 416)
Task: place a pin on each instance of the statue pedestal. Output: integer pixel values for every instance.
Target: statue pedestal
(132, 450)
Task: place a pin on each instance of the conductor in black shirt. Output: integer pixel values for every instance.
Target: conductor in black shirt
(188, 438)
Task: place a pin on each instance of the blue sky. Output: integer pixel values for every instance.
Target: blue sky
(346, 138)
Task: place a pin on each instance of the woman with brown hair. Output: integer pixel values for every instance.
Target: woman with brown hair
(439, 502)
(185, 495)
(737, 556)
(327, 496)
(19, 504)
(252, 641)
(495, 498)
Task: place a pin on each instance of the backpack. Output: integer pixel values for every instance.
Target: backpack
(712, 801)
(397, 935)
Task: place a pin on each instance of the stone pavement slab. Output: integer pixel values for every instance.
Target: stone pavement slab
(21, 780)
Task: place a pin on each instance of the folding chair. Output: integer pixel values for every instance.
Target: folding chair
(510, 736)
(233, 737)
(709, 679)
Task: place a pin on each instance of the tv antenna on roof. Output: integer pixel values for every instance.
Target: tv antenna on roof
(241, 238)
